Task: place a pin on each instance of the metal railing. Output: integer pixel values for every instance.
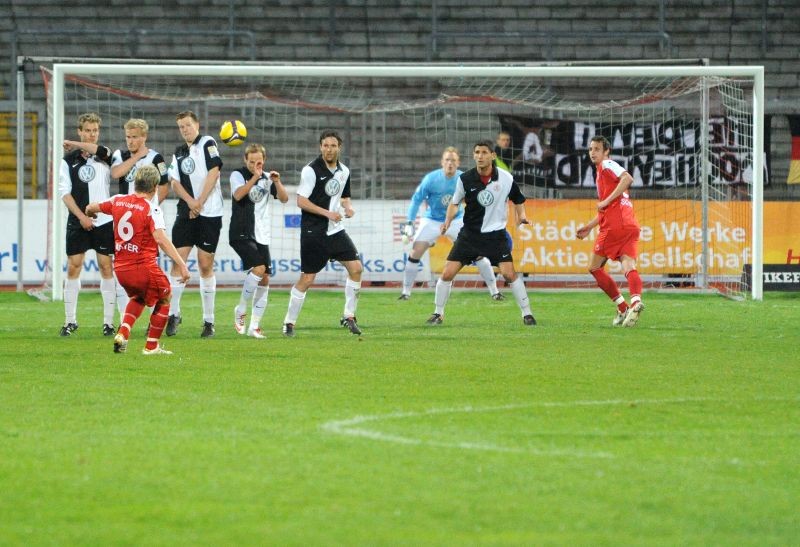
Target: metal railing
(135, 37)
(661, 36)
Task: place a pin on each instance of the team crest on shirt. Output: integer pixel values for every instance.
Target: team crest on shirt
(86, 173)
(446, 199)
(485, 198)
(187, 166)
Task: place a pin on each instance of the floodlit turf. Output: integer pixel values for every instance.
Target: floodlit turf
(682, 430)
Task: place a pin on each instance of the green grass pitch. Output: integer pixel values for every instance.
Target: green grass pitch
(682, 430)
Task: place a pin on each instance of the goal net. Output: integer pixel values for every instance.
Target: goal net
(690, 136)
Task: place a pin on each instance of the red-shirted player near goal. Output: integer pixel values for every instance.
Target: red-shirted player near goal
(619, 232)
(138, 233)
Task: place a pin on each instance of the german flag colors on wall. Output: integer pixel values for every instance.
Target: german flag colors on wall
(794, 165)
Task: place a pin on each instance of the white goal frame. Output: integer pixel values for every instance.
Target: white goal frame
(62, 70)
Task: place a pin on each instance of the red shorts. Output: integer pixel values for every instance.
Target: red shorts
(147, 282)
(615, 243)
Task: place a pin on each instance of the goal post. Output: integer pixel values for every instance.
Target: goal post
(398, 118)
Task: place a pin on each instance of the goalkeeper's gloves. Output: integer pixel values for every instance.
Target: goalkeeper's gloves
(407, 231)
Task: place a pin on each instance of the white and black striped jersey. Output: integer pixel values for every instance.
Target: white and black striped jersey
(190, 166)
(486, 208)
(250, 215)
(325, 188)
(87, 180)
(152, 158)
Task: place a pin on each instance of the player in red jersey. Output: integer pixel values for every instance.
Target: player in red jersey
(138, 233)
(619, 232)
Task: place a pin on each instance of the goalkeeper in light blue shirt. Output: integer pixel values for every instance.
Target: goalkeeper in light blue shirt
(436, 189)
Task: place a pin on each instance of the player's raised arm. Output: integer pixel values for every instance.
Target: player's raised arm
(280, 189)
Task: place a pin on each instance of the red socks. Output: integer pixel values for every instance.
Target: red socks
(132, 312)
(634, 285)
(158, 320)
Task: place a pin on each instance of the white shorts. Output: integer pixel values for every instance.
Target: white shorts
(430, 230)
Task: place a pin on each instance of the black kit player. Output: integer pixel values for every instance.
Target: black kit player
(325, 189)
(84, 177)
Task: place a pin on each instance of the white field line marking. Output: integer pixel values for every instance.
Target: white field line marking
(352, 427)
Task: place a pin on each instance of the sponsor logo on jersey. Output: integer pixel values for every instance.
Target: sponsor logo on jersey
(257, 193)
(446, 199)
(332, 187)
(86, 173)
(187, 166)
(485, 198)
(131, 176)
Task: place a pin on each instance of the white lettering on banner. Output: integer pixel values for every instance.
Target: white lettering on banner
(542, 258)
(559, 258)
(782, 277)
(549, 231)
(675, 231)
(656, 154)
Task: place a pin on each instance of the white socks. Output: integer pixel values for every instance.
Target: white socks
(351, 290)
(296, 299)
(259, 306)
(122, 299)
(176, 286)
(251, 281)
(71, 289)
(442, 294)
(410, 274)
(521, 295)
(208, 292)
(487, 273)
(108, 290)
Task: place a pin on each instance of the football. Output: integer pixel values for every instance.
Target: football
(233, 133)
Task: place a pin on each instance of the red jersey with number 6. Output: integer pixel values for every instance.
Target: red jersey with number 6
(135, 220)
(619, 214)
